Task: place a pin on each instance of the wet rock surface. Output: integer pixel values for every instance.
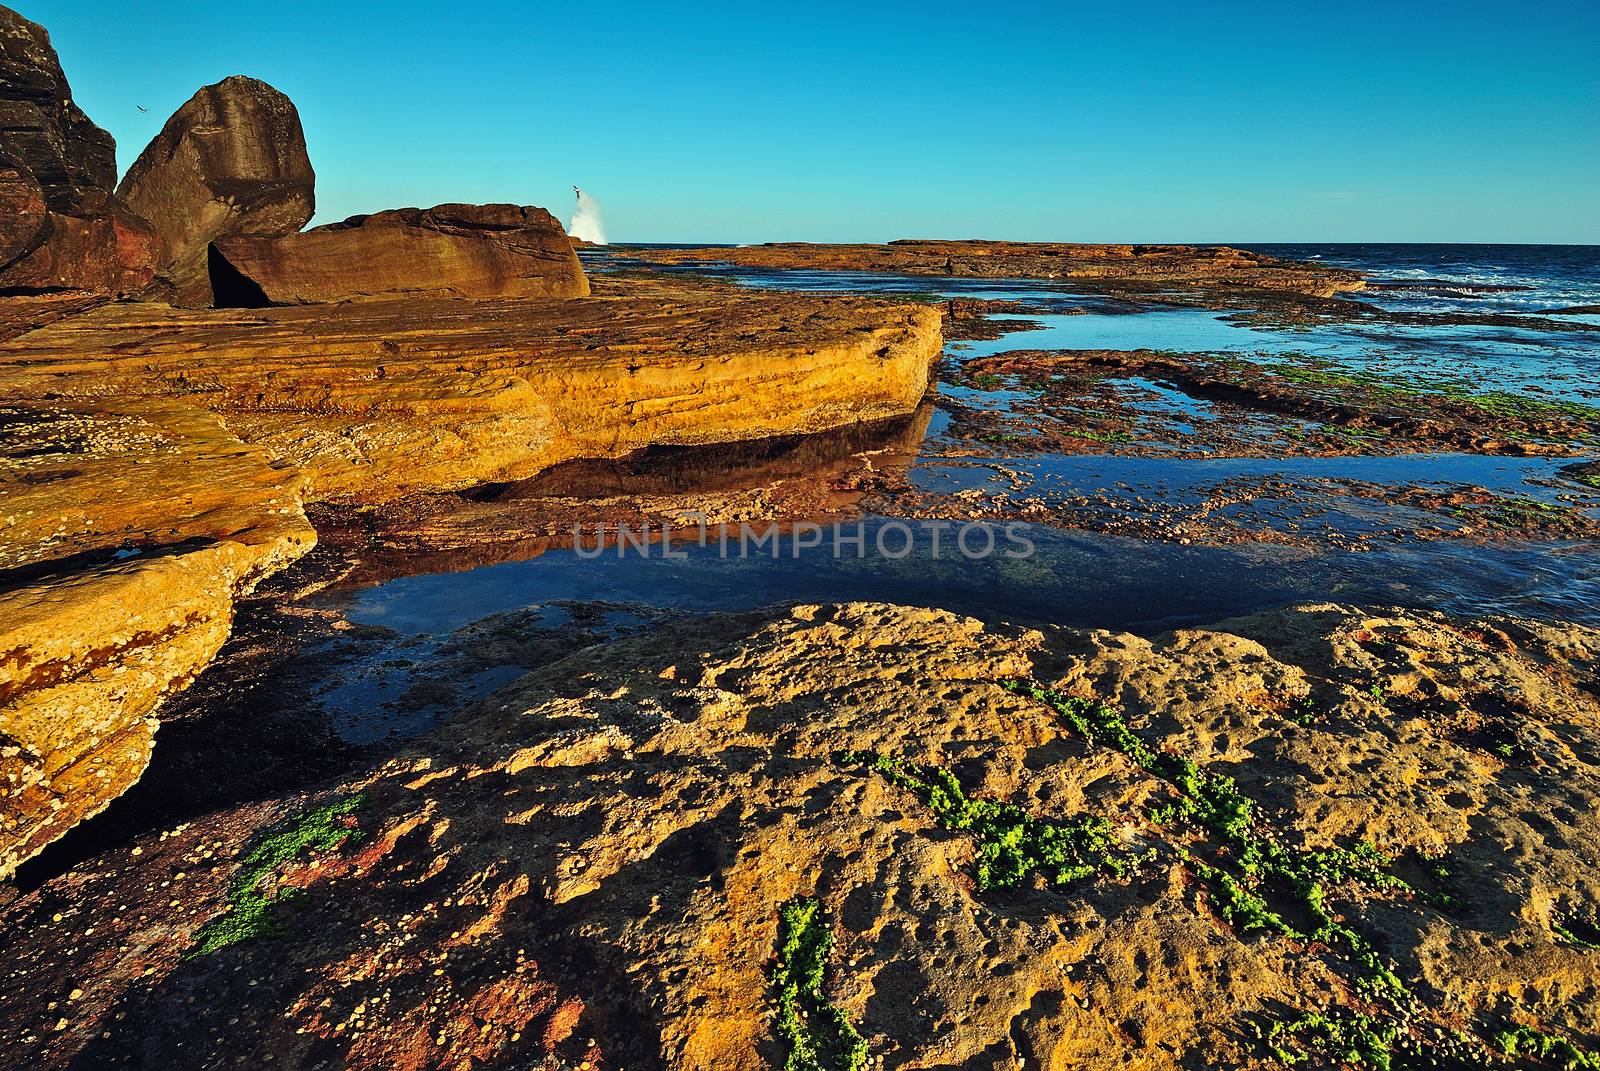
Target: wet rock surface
(1107, 265)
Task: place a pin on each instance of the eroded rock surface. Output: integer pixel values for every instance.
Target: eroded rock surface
(372, 399)
(617, 833)
(157, 459)
(471, 251)
(127, 530)
(232, 160)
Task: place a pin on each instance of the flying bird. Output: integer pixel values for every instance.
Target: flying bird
(141, 107)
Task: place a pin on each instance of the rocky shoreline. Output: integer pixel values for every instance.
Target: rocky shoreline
(594, 833)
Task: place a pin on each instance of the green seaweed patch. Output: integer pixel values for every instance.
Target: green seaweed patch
(1577, 931)
(818, 1034)
(1303, 711)
(1324, 375)
(1248, 864)
(1010, 843)
(1352, 1039)
(1518, 513)
(1527, 1043)
(254, 900)
(1587, 474)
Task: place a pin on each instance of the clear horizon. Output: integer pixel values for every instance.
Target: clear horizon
(1244, 123)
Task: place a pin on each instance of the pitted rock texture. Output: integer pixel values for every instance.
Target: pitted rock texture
(231, 160)
(623, 826)
(471, 251)
(1144, 265)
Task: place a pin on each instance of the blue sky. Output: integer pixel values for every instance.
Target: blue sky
(1155, 121)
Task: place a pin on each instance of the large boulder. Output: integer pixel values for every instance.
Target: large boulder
(471, 251)
(231, 161)
(41, 128)
(60, 226)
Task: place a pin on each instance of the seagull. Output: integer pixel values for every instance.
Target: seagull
(141, 107)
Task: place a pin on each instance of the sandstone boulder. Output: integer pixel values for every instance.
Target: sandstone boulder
(231, 161)
(472, 251)
(41, 128)
(60, 226)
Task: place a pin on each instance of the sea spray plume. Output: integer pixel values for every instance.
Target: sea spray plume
(586, 220)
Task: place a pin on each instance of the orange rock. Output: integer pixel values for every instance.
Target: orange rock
(472, 251)
(162, 456)
(231, 160)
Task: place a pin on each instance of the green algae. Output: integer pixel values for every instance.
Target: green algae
(819, 1035)
(1553, 1049)
(1010, 844)
(254, 901)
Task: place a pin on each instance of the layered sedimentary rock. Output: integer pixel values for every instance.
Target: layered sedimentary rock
(1212, 266)
(590, 866)
(127, 529)
(60, 226)
(375, 398)
(232, 160)
(471, 251)
(111, 252)
(42, 129)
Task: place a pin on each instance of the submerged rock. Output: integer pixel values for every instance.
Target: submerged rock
(232, 160)
(472, 251)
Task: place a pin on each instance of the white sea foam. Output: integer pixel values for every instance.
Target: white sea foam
(586, 223)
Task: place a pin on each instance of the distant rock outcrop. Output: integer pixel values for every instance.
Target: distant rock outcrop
(1136, 267)
(231, 161)
(472, 251)
(60, 226)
